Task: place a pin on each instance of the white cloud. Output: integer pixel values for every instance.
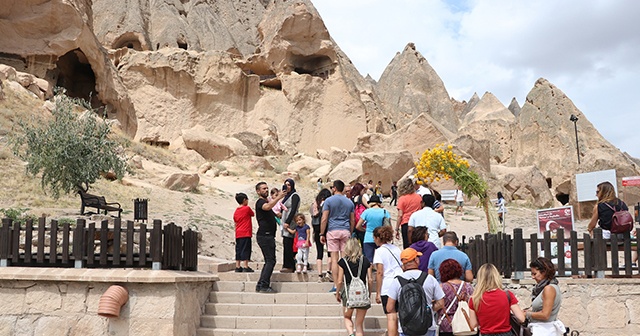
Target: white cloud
(588, 49)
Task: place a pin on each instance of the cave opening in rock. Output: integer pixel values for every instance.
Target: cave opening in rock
(314, 65)
(562, 198)
(77, 77)
(130, 40)
(549, 182)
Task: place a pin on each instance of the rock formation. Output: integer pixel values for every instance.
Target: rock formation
(514, 107)
(409, 86)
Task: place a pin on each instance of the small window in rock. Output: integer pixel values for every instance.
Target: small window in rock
(182, 45)
(562, 198)
(549, 182)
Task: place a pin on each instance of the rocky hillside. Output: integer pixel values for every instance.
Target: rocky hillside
(225, 86)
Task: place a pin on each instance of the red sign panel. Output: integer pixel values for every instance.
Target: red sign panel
(631, 181)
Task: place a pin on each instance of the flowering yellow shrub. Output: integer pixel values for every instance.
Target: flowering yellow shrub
(441, 163)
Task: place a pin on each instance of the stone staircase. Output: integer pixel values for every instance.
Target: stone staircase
(302, 306)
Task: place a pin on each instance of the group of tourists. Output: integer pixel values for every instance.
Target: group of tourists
(358, 235)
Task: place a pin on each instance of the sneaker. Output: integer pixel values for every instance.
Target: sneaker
(248, 270)
(321, 277)
(286, 270)
(305, 270)
(298, 268)
(333, 289)
(328, 277)
(258, 289)
(238, 269)
(268, 290)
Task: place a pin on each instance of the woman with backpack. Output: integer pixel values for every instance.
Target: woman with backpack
(373, 217)
(352, 290)
(546, 299)
(608, 203)
(360, 200)
(490, 306)
(455, 290)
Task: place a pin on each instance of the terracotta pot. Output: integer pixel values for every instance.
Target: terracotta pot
(112, 300)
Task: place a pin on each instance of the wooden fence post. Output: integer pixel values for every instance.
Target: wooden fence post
(79, 243)
(519, 254)
(588, 255)
(190, 259)
(574, 253)
(5, 241)
(28, 241)
(560, 245)
(599, 253)
(156, 245)
(41, 231)
(53, 244)
(117, 223)
(15, 245)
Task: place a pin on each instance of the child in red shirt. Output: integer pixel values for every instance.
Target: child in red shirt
(242, 218)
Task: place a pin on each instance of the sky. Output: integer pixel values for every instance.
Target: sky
(589, 49)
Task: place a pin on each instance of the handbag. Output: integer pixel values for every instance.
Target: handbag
(621, 221)
(460, 323)
(386, 221)
(517, 328)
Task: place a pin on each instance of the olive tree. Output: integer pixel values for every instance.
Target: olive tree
(70, 149)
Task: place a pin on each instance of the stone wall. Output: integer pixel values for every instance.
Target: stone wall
(37, 301)
(593, 306)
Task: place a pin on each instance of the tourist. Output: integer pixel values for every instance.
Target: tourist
(386, 262)
(459, 201)
(450, 273)
(292, 204)
(242, 219)
(603, 211)
(353, 264)
(421, 243)
(433, 293)
(427, 217)
(437, 203)
(316, 217)
(546, 299)
(360, 200)
(373, 217)
(450, 251)
(394, 194)
(490, 306)
(303, 243)
(337, 223)
(266, 235)
(500, 204)
(319, 183)
(408, 203)
(378, 190)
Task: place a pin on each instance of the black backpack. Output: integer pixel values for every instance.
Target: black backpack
(414, 311)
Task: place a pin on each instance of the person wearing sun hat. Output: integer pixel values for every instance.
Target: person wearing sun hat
(432, 289)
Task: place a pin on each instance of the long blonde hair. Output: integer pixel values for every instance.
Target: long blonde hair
(488, 279)
(606, 192)
(353, 250)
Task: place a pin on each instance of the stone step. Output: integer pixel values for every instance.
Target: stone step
(280, 287)
(283, 309)
(283, 332)
(275, 277)
(285, 322)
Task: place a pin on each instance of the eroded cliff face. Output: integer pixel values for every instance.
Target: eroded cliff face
(54, 41)
(268, 74)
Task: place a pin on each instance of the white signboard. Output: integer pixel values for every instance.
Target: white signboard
(587, 183)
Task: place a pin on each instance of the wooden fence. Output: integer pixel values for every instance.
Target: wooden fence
(574, 257)
(65, 245)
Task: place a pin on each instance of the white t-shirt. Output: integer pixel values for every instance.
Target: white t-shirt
(459, 196)
(432, 289)
(390, 263)
(433, 221)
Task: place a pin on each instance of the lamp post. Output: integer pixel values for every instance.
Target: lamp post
(575, 120)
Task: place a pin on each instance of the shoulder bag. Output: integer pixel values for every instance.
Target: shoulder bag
(621, 221)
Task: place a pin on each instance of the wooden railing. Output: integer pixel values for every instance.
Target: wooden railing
(85, 245)
(582, 257)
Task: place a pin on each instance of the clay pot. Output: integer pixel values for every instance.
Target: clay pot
(112, 300)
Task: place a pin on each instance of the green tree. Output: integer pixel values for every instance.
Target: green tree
(69, 150)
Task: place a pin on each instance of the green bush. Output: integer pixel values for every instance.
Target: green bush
(69, 150)
(18, 215)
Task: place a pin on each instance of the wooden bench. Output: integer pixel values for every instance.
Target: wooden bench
(98, 202)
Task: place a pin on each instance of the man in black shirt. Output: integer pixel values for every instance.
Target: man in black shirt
(266, 235)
